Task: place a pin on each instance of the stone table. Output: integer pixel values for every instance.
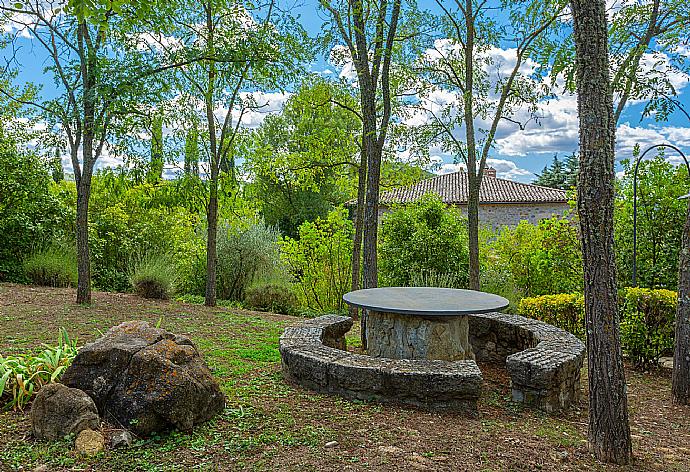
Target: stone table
(421, 322)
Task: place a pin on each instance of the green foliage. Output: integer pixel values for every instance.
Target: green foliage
(130, 220)
(647, 320)
(660, 220)
(303, 160)
(29, 213)
(424, 238)
(433, 279)
(536, 259)
(54, 266)
(22, 376)
(155, 277)
(560, 174)
(271, 296)
(648, 324)
(320, 261)
(566, 311)
(245, 255)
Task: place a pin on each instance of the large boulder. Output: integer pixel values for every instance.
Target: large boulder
(58, 411)
(146, 379)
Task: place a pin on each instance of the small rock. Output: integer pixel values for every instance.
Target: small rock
(121, 439)
(331, 444)
(41, 468)
(59, 411)
(89, 442)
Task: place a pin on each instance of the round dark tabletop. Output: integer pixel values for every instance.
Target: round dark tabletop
(425, 301)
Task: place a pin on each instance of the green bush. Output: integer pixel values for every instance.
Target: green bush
(155, 277)
(647, 320)
(55, 266)
(534, 260)
(426, 237)
(566, 311)
(22, 376)
(320, 261)
(271, 296)
(648, 324)
(245, 255)
(29, 212)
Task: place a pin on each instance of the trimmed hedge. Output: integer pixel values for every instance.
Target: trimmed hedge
(647, 319)
(565, 310)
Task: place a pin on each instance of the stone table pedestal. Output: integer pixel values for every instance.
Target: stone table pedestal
(399, 336)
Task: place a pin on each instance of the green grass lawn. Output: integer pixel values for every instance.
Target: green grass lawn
(271, 425)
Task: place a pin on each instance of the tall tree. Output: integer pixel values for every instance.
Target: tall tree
(303, 160)
(157, 159)
(369, 29)
(102, 76)
(468, 93)
(243, 47)
(191, 151)
(680, 389)
(609, 431)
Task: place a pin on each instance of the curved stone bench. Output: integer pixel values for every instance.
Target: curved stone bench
(543, 361)
(313, 355)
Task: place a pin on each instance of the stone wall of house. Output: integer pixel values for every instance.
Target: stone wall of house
(498, 215)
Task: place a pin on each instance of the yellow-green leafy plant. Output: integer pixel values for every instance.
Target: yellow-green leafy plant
(564, 310)
(21, 377)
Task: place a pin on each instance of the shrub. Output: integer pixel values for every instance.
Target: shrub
(320, 261)
(55, 266)
(423, 238)
(29, 212)
(432, 278)
(535, 260)
(22, 376)
(155, 277)
(566, 311)
(244, 256)
(647, 320)
(647, 326)
(271, 296)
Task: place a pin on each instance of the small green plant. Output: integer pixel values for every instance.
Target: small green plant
(22, 376)
(271, 296)
(55, 266)
(155, 277)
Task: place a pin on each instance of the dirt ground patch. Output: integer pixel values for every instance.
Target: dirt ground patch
(271, 425)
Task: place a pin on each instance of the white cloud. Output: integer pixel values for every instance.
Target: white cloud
(505, 169)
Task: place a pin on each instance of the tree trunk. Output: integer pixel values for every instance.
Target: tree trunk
(357, 242)
(371, 206)
(609, 431)
(359, 223)
(473, 229)
(214, 162)
(83, 256)
(473, 177)
(681, 357)
(211, 244)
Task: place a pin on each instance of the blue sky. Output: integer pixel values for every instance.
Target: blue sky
(518, 153)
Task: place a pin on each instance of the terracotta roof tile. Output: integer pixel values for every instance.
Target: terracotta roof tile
(453, 190)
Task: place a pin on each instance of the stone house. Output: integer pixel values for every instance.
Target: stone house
(501, 202)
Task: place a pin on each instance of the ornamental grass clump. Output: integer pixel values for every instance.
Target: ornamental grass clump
(21, 377)
(155, 277)
(55, 266)
(271, 296)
